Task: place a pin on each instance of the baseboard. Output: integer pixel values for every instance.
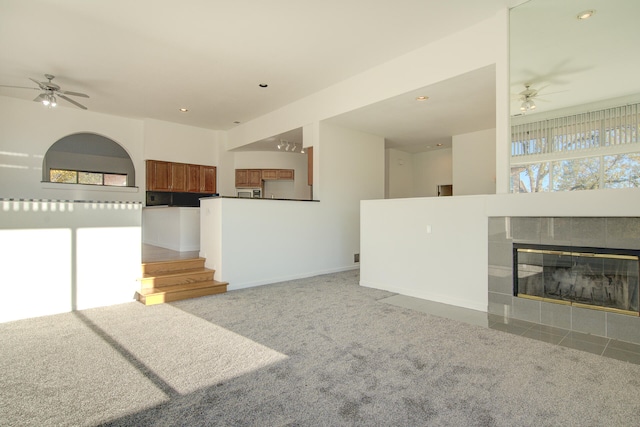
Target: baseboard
(444, 299)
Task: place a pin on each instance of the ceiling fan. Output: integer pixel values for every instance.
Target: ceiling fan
(50, 91)
(526, 96)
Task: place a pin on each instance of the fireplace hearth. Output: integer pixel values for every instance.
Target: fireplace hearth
(586, 277)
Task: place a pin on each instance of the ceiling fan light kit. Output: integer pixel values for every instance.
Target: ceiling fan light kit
(50, 91)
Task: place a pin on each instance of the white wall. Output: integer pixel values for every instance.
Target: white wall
(399, 174)
(179, 143)
(474, 163)
(27, 130)
(351, 169)
(66, 256)
(175, 228)
(432, 168)
(296, 189)
(62, 256)
(446, 263)
(254, 242)
(449, 263)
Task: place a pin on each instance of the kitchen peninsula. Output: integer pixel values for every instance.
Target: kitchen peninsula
(251, 243)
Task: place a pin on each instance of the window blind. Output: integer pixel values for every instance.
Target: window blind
(584, 132)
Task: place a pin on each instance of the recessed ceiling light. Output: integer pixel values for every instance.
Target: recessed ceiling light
(263, 85)
(586, 14)
(439, 145)
(184, 110)
(422, 98)
(236, 122)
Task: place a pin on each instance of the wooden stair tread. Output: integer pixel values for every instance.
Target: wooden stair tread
(173, 261)
(175, 265)
(187, 292)
(166, 281)
(181, 287)
(175, 273)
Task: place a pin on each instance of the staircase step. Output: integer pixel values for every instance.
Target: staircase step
(176, 277)
(175, 265)
(180, 292)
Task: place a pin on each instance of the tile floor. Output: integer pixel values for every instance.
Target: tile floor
(602, 346)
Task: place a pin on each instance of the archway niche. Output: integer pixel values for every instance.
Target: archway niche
(88, 155)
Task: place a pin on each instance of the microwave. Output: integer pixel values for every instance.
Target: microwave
(249, 193)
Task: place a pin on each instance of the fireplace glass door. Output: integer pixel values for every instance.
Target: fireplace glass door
(599, 278)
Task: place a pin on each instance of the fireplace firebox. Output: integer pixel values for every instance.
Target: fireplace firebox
(597, 278)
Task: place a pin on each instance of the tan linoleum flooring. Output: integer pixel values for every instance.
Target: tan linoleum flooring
(154, 254)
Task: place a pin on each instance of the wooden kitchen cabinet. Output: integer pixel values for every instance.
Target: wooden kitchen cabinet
(273, 174)
(285, 174)
(242, 177)
(255, 178)
(310, 166)
(249, 178)
(193, 179)
(180, 177)
(208, 179)
(158, 175)
(268, 174)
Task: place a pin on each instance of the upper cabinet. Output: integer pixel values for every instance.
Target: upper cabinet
(208, 182)
(253, 177)
(180, 177)
(158, 176)
(285, 174)
(193, 178)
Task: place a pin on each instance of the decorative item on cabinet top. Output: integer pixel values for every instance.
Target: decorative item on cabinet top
(180, 177)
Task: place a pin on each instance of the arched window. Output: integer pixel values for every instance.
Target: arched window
(88, 158)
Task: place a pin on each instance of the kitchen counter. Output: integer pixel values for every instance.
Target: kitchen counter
(263, 198)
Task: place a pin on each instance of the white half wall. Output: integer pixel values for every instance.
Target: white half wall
(59, 256)
(432, 248)
(474, 163)
(254, 242)
(437, 248)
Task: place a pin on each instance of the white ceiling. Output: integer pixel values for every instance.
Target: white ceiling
(573, 62)
(148, 58)
(459, 105)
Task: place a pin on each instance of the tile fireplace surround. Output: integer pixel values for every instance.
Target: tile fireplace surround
(609, 232)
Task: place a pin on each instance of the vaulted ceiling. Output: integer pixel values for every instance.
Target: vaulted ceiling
(149, 58)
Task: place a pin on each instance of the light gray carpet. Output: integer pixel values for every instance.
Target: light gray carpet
(313, 352)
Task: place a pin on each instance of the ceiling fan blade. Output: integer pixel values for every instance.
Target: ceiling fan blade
(68, 92)
(40, 85)
(77, 104)
(553, 93)
(21, 87)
